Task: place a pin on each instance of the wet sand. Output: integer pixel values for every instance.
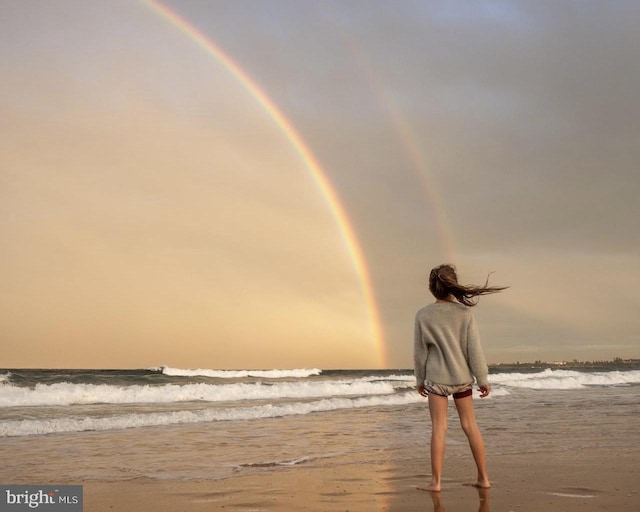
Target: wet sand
(588, 480)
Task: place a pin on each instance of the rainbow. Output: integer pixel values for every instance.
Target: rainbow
(346, 229)
(411, 147)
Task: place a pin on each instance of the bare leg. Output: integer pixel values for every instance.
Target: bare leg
(438, 411)
(476, 443)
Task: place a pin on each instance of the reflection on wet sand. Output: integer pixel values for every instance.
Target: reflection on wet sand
(483, 496)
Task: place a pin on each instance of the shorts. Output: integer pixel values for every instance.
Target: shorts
(457, 390)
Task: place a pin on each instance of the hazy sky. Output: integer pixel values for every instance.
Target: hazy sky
(152, 211)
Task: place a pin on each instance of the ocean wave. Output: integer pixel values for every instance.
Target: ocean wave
(565, 379)
(403, 378)
(66, 393)
(5, 378)
(238, 374)
(70, 424)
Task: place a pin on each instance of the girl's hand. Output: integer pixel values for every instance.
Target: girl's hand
(485, 390)
(422, 391)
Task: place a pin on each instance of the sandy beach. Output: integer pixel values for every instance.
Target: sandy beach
(591, 480)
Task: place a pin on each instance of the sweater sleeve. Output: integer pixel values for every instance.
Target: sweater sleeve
(420, 354)
(475, 355)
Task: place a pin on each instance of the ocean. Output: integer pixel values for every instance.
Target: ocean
(165, 423)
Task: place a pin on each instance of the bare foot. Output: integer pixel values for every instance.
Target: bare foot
(484, 484)
(431, 488)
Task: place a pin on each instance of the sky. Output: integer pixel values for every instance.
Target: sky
(267, 183)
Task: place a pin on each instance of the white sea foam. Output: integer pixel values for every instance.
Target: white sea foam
(225, 400)
(66, 393)
(565, 379)
(237, 374)
(495, 391)
(72, 424)
(293, 462)
(565, 495)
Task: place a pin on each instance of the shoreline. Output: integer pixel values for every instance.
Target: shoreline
(622, 364)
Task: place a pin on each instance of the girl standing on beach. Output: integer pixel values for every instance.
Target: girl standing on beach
(447, 357)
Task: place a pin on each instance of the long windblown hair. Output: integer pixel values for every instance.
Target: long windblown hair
(443, 283)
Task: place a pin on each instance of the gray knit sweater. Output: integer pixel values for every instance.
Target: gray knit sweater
(447, 346)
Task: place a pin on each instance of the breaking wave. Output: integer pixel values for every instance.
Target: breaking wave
(65, 393)
(72, 424)
(238, 374)
(565, 379)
